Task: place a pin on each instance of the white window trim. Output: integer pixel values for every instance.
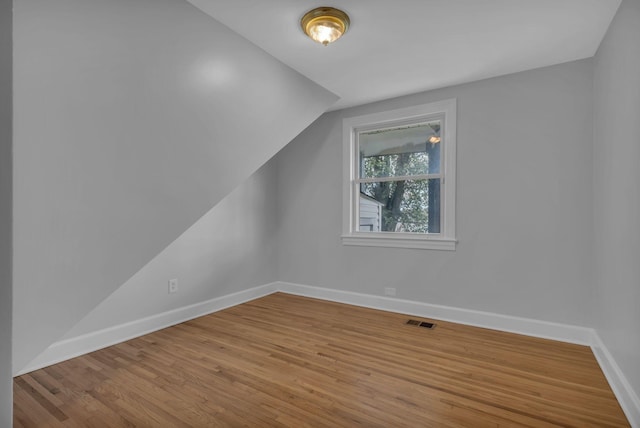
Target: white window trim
(446, 240)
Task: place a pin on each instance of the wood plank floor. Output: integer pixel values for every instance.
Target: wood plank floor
(290, 361)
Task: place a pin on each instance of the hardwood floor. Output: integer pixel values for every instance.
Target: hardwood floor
(285, 360)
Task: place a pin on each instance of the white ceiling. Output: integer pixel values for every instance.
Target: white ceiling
(400, 47)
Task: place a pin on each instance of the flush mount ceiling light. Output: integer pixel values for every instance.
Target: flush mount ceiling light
(325, 24)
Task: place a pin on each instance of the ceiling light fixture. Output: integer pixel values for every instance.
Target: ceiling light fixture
(434, 139)
(325, 24)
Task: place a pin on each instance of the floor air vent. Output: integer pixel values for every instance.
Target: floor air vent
(424, 324)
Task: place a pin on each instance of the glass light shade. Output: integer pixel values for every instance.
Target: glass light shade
(325, 24)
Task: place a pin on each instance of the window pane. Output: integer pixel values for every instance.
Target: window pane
(400, 151)
(400, 206)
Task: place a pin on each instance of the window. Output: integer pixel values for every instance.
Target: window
(399, 178)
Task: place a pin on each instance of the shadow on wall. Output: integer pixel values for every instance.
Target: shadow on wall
(136, 139)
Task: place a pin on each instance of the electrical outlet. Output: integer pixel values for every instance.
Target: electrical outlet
(389, 291)
(173, 286)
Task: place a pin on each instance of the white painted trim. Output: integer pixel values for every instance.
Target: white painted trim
(74, 347)
(621, 387)
(375, 240)
(444, 109)
(525, 326)
(627, 397)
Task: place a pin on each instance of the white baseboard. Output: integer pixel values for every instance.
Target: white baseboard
(627, 397)
(525, 326)
(621, 387)
(76, 346)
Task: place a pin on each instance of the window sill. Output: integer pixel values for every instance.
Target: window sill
(411, 241)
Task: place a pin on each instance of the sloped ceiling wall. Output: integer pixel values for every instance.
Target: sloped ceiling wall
(132, 119)
(231, 248)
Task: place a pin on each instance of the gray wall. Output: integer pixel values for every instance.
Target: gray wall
(231, 248)
(524, 200)
(617, 191)
(132, 119)
(6, 385)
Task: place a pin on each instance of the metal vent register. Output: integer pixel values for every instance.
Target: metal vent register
(424, 324)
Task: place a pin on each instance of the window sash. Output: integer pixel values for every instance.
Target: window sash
(399, 123)
(401, 178)
(352, 127)
(356, 207)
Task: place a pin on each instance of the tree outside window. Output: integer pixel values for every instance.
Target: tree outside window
(406, 160)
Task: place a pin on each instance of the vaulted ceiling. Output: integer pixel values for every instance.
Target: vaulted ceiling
(130, 123)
